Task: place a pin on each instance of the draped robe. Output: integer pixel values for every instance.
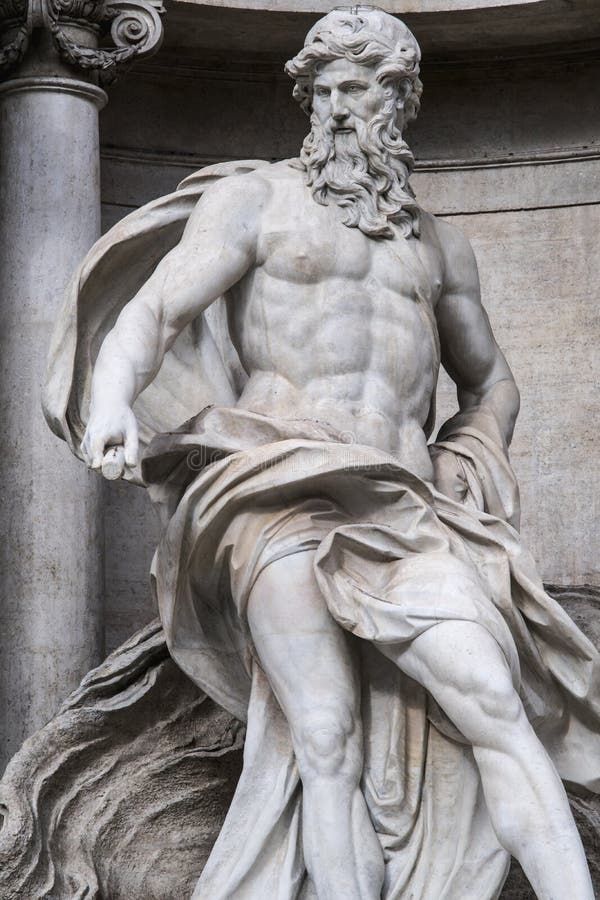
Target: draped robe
(393, 557)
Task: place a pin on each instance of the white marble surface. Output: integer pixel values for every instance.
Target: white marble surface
(498, 144)
(335, 518)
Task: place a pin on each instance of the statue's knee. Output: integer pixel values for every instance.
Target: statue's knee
(489, 706)
(327, 745)
(499, 701)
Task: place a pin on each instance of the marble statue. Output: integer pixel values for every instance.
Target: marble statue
(359, 596)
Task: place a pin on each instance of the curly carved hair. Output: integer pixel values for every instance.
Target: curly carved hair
(369, 37)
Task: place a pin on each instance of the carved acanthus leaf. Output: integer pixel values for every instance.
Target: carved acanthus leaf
(14, 51)
(14, 14)
(12, 11)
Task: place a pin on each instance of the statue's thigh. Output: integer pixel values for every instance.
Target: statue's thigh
(465, 670)
(307, 657)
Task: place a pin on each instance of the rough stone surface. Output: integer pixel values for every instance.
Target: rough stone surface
(51, 603)
(468, 26)
(583, 605)
(51, 553)
(124, 792)
(264, 422)
(391, 6)
(538, 273)
(131, 533)
(126, 789)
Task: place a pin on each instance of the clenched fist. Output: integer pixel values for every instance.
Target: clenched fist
(110, 426)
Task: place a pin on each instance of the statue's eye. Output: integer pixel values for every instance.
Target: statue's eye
(355, 88)
(322, 91)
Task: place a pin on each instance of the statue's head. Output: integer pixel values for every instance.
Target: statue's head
(357, 77)
(365, 36)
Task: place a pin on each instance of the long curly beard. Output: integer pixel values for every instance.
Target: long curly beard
(365, 172)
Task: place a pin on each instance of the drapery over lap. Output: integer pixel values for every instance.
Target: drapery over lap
(393, 557)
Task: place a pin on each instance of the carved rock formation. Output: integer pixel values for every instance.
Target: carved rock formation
(122, 794)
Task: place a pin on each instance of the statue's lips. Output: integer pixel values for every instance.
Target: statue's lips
(342, 130)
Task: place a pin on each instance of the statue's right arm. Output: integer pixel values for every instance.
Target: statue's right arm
(216, 250)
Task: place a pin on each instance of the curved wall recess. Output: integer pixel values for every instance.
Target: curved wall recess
(399, 7)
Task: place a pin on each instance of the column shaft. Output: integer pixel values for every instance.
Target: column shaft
(51, 620)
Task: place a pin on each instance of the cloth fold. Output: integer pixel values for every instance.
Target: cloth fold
(236, 491)
(392, 557)
(201, 367)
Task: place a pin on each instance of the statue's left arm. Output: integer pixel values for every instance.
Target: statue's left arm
(488, 397)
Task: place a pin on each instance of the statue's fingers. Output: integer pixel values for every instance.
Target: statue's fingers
(97, 452)
(131, 445)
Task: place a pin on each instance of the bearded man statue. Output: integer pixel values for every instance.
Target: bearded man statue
(364, 169)
(361, 598)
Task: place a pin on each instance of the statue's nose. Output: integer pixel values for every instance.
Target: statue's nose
(339, 110)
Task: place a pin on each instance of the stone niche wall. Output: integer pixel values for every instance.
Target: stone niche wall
(506, 148)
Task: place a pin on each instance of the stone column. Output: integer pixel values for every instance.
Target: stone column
(51, 572)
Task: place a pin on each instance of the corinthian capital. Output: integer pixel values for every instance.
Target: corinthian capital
(115, 32)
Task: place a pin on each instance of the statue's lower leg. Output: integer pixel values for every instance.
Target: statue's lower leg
(310, 666)
(464, 669)
(341, 850)
(531, 814)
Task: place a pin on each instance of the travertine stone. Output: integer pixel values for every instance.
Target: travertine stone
(400, 7)
(68, 33)
(51, 609)
(51, 625)
(499, 145)
(123, 793)
(442, 26)
(540, 267)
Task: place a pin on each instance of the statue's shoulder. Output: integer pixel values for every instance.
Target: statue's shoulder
(287, 170)
(450, 240)
(281, 174)
(247, 183)
(241, 172)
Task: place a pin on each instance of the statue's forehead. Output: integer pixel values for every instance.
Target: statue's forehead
(336, 70)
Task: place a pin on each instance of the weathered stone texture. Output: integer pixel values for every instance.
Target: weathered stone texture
(121, 796)
(124, 792)
(538, 270)
(583, 605)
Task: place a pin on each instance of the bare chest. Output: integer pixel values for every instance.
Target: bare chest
(308, 245)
